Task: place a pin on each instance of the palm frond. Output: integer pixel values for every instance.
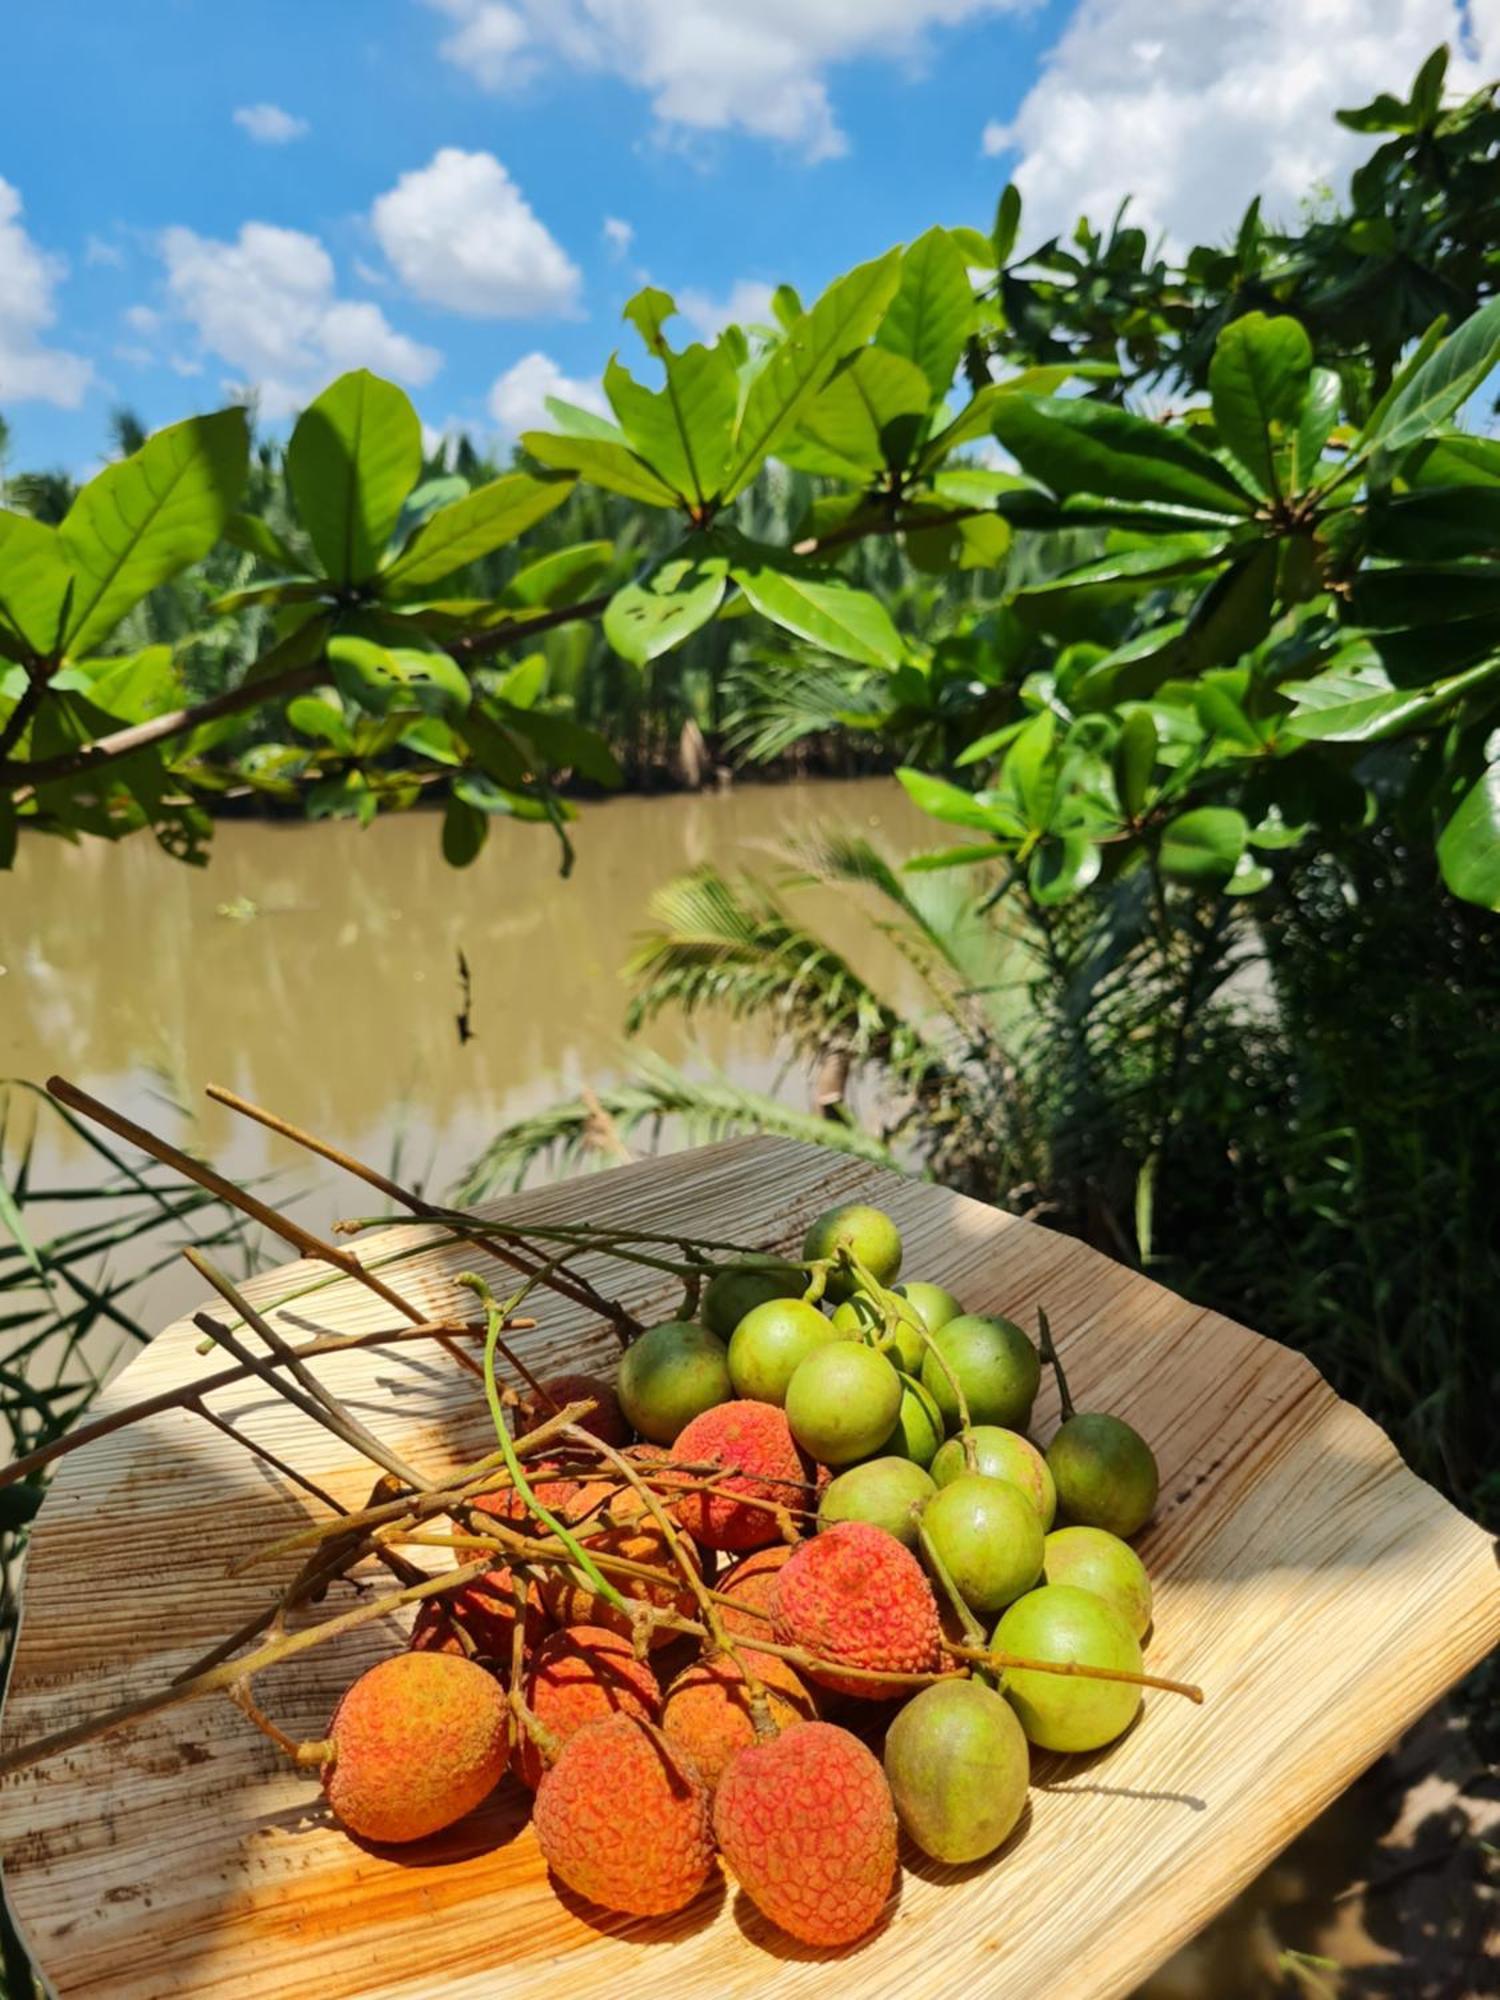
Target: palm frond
(772, 705)
(658, 1100)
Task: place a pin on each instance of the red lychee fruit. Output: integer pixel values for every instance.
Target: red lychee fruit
(579, 1675)
(605, 1420)
(807, 1824)
(752, 1582)
(857, 1596)
(418, 1741)
(554, 1480)
(708, 1707)
(484, 1612)
(756, 1439)
(572, 1599)
(624, 1820)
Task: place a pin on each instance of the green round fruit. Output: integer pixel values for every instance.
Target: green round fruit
(860, 1318)
(1057, 1711)
(888, 1493)
(988, 1538)
(1093, 1559)
(1000, 1454)
(957, 1765)
(868, 1232)
(735, 1289)
(935, 1305)
(919, 1425)
(669, 1375)
(1106, 1476)
(842, 1402)
(769, 1345)
(997, 1367)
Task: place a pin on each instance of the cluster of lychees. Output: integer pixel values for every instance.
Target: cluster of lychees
(778, 1525)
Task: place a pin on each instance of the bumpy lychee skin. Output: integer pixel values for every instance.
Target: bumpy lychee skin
(580, 1675)
(752, 1583)
(419, 1741)
(756, 1438)
(483, 1613)
(572, 1599)
(855, 1595)
(606, 1420)
(708, 1709)
(807, 1824)
(625, 1821)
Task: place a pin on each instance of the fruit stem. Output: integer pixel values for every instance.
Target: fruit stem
(495, 1317)
(973, 1630)
(1049, 1355)
(988, 1657)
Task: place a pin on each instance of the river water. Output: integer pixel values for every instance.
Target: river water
(314, 969)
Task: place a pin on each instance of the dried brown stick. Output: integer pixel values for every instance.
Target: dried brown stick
(290, 1231)
(576, 1289)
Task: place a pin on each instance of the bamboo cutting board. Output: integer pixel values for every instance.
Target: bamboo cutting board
(1320, 1593)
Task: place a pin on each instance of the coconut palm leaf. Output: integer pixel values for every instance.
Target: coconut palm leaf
(657, 1100)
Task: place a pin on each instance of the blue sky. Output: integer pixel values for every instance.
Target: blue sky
(197, 200)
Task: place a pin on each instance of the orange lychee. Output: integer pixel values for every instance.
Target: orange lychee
(856, 1596)
(708, 1709)
(483, 1612)
(579, 1675)
(624, 1819)
(806, 1823)
(756, 1440)
(752, 1582)
(418, 1741)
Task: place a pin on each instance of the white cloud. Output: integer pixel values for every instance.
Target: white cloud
(518, 398)
(707, 64)
(269, 125)
(618, 235)
(1195, 106)
(142, 319)
(747, 304)
(97, 251)
(267, 305)
(461, 234)
(30, 370)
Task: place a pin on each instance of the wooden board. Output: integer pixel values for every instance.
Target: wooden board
(1321, 1594)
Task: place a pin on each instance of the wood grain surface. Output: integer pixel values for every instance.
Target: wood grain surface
(1321, 1595)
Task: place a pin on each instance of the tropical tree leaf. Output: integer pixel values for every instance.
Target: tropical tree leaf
(928, 319)
(1443, 384)
(1469, 845)
(1258, 379)
(355, 454)
(870, 415)
(147, 517)
(1203, 847)
(825, 611)
(461, 533)
(649, 618)
(34, 584)
(603, 461)
(1077, 446)
(797, 367)
(379, 678)
(682, 431)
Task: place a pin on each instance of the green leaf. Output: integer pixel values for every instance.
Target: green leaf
(682, 431)
(1315, 422)
(1442, 385)
(461, 533)
(137, 687)
(1234, 614)
(825, 611)
(1007, 223)
(929, 318)
(1075, 446)
(561, 743)
(797, 367)
(465, 829)
(646, 619)
(379, 679)
(1360, 705)
(559, 578)
(1249, 878)
(354, 456)
(1469, 845)
(1061, 866)
(144, 519)
(1257, 379)
(954, 805)
(1388, 599)
(524, 683)
(1187, 555)
(1029, 771)
(34, 583)
(1135, 761)
(603, 462)
(314, 716)
(870, 415)
(648, 312)
(1435, 523)
(1203, 846)
(258, 538)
